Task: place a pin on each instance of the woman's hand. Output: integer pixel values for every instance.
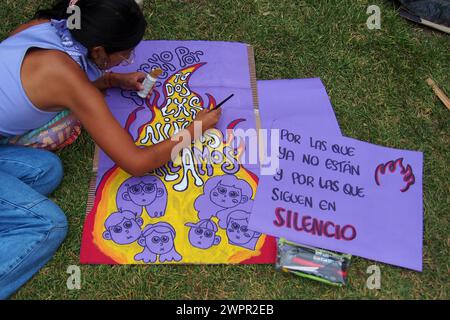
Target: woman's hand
(208, 118)
(129, 81)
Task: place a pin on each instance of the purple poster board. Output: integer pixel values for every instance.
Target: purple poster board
(195, 209)
(306, 98)
(345, 195)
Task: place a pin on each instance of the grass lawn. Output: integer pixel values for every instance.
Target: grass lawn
(376, 82)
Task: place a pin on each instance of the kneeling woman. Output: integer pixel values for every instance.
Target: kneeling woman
(50, 74)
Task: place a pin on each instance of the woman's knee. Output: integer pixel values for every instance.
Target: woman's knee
(58, 228)
(52, 172)
(52, 214)
(57, 224)
(40, 169)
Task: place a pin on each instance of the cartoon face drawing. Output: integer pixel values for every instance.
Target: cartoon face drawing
(122, 227)
(143, 194)
(227, 196)
(202, 234)
(222, 194)
(147, 192)
(237, 230)
(158, 241)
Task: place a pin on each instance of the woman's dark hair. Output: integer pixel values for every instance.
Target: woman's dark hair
(116, 25)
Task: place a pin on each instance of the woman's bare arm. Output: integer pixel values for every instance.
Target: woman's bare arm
(127, 81)
(88, 104)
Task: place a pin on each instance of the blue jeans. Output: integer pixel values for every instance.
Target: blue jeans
(31, 226)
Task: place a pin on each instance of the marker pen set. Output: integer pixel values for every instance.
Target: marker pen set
(318, 264)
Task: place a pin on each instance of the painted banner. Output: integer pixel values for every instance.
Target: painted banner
(189, 211)
(343, 194)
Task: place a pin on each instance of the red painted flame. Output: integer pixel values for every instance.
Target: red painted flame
(230, 137)
(391, 166)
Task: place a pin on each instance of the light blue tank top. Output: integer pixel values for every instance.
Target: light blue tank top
(17, 114)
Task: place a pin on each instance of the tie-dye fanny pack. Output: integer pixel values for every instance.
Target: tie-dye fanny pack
(61, 131)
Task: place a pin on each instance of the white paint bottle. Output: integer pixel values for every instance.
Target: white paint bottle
(149, 83)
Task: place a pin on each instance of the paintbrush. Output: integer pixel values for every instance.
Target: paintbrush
(220, 104)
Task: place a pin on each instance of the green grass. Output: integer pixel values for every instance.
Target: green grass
(376, 82)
